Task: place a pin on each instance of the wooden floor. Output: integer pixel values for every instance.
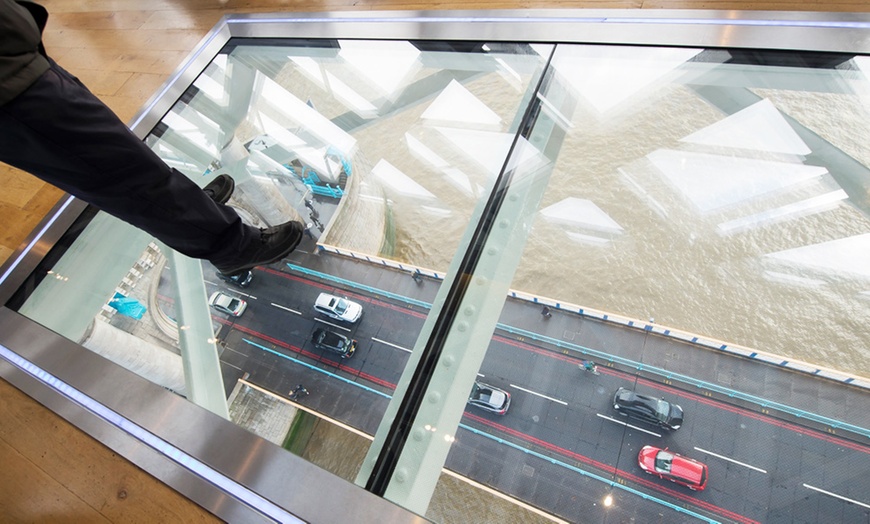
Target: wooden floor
(124, 50)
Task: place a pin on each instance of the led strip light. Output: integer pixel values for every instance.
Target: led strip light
(186, 461)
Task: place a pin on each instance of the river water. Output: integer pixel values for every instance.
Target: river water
(726, 200)
(751, 247)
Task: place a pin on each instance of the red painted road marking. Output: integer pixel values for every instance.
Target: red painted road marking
(599, 465)
(698, 398)
(318, 358)
(356, 297)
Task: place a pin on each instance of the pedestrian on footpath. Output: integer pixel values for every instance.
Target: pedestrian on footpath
(54, 128)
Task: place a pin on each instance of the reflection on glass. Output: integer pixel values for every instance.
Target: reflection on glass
(694, 199)
(383, 149)
(692, 187)
(650, 201)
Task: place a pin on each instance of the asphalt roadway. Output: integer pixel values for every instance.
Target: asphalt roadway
(561, 447)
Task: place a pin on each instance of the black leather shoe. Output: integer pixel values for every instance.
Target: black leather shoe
(220, 189)
(275, 243)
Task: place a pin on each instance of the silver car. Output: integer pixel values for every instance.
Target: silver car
(227, 304)
(489, 398)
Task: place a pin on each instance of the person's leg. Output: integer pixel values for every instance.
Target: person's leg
(60, 132)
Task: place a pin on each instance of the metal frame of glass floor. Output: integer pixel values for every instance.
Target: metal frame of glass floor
(507, 195)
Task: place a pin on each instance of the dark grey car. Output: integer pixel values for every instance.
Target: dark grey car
(648, 409)
(336, 342)
(243, 279)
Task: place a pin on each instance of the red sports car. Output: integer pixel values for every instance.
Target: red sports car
(673, 466)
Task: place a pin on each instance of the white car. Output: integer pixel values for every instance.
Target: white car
(338, 308)
(227, 304)
(490, 398)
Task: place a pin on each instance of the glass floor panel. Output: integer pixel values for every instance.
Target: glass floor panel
(527, 267)
(679, 192)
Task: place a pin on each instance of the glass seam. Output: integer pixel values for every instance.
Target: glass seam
(409, 407)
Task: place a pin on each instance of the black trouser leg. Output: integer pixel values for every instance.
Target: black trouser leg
(60, 132)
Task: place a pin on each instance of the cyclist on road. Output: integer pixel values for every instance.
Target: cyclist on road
(590, 366)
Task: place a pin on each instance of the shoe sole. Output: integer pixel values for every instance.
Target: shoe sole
(283, 254)
(287, 252)
(229, 193)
